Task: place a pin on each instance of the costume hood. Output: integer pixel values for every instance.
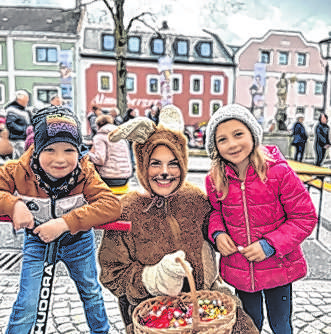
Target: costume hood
(175, 141)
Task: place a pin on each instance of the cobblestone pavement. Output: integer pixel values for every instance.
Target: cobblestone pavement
(311, 296)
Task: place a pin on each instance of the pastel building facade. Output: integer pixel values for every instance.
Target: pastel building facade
(266, 59)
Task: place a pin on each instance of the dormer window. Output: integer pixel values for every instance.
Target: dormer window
(134, 44)
(181, 47)
(157, 46)
(204, 49)
(108, 42)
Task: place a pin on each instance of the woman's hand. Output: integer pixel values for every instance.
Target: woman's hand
(253, 252)
(225, 244)
(51, 230)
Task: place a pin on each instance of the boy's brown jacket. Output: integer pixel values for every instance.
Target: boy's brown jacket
(102, 207)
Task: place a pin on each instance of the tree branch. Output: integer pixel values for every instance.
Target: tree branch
(139, 18)
(111, 10)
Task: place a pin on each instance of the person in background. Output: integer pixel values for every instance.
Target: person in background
(17, 120)
(6, 148)
(262, 213)
(56, 100)
(55, 184)
(130, 114)
(92, 116)
(299, 137)
(115, 113)
(167, 220)
(29, 137)
(153, 114)
(2, 119)
(322, 138)
(112, 160)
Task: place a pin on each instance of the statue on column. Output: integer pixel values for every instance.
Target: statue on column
(281, 115)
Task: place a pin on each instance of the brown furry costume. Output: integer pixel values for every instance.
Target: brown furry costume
(160, 226)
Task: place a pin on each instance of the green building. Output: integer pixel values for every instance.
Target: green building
(38, 53)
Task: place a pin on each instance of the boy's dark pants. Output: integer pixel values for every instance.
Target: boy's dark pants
(279, 307)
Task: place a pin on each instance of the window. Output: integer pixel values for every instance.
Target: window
(204, 49)
(302, 87)
(265, 57)
(2, 93)
(176, 83)
(217, 84)
(131, 86)
(44, 94)
(196, 84)
(105, 82)
(300, 110)
(134, 43)
(318, 88)
(283, 58)
(214, 105)
(46, 54)
(153, 84)
(301, 61)
(195, 108)
(181, 47)
(157, 46)
(108, 42)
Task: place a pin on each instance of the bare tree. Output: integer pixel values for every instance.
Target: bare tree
(116, 8)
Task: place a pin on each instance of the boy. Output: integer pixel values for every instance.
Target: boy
(55, 185)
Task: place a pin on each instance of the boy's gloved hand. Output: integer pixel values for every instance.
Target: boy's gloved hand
(165, 277)
(22, 217)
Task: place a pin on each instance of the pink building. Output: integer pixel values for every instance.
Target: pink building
(262, 61)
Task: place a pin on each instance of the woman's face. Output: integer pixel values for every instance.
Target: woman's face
(163, 171)
(234, 142)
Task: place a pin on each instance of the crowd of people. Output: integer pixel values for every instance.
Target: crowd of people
(255, 211)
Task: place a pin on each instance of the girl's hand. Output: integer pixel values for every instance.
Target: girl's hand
(225, 244)
(253, 252)
(51, 230)
(22, 217)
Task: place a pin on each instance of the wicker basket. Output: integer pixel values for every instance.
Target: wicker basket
(219, 326)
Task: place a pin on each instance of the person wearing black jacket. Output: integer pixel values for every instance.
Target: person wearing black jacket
(18, 119)
(300, 137)
(322, 139)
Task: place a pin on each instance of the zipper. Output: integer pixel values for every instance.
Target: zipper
(248, 231)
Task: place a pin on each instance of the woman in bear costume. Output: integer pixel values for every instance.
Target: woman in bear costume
(167, 221)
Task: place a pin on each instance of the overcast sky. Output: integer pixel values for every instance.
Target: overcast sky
(234, 24)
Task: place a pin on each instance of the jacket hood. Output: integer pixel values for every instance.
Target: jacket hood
(107, 128)
(177, 144)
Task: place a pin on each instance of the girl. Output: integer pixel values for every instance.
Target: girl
(262, 212)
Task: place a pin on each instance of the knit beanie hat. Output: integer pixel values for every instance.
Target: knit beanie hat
(231, 111)
(55, 124)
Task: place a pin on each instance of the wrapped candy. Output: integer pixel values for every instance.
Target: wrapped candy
(170, 316)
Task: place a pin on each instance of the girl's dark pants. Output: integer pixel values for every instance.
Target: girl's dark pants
(279, 307)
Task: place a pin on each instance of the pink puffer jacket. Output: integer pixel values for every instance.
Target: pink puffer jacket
(279, 210)
(112, 159)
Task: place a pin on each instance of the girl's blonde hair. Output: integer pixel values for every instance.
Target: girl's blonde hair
(258, 159)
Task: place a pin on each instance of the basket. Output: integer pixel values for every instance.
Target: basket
(219, 326)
